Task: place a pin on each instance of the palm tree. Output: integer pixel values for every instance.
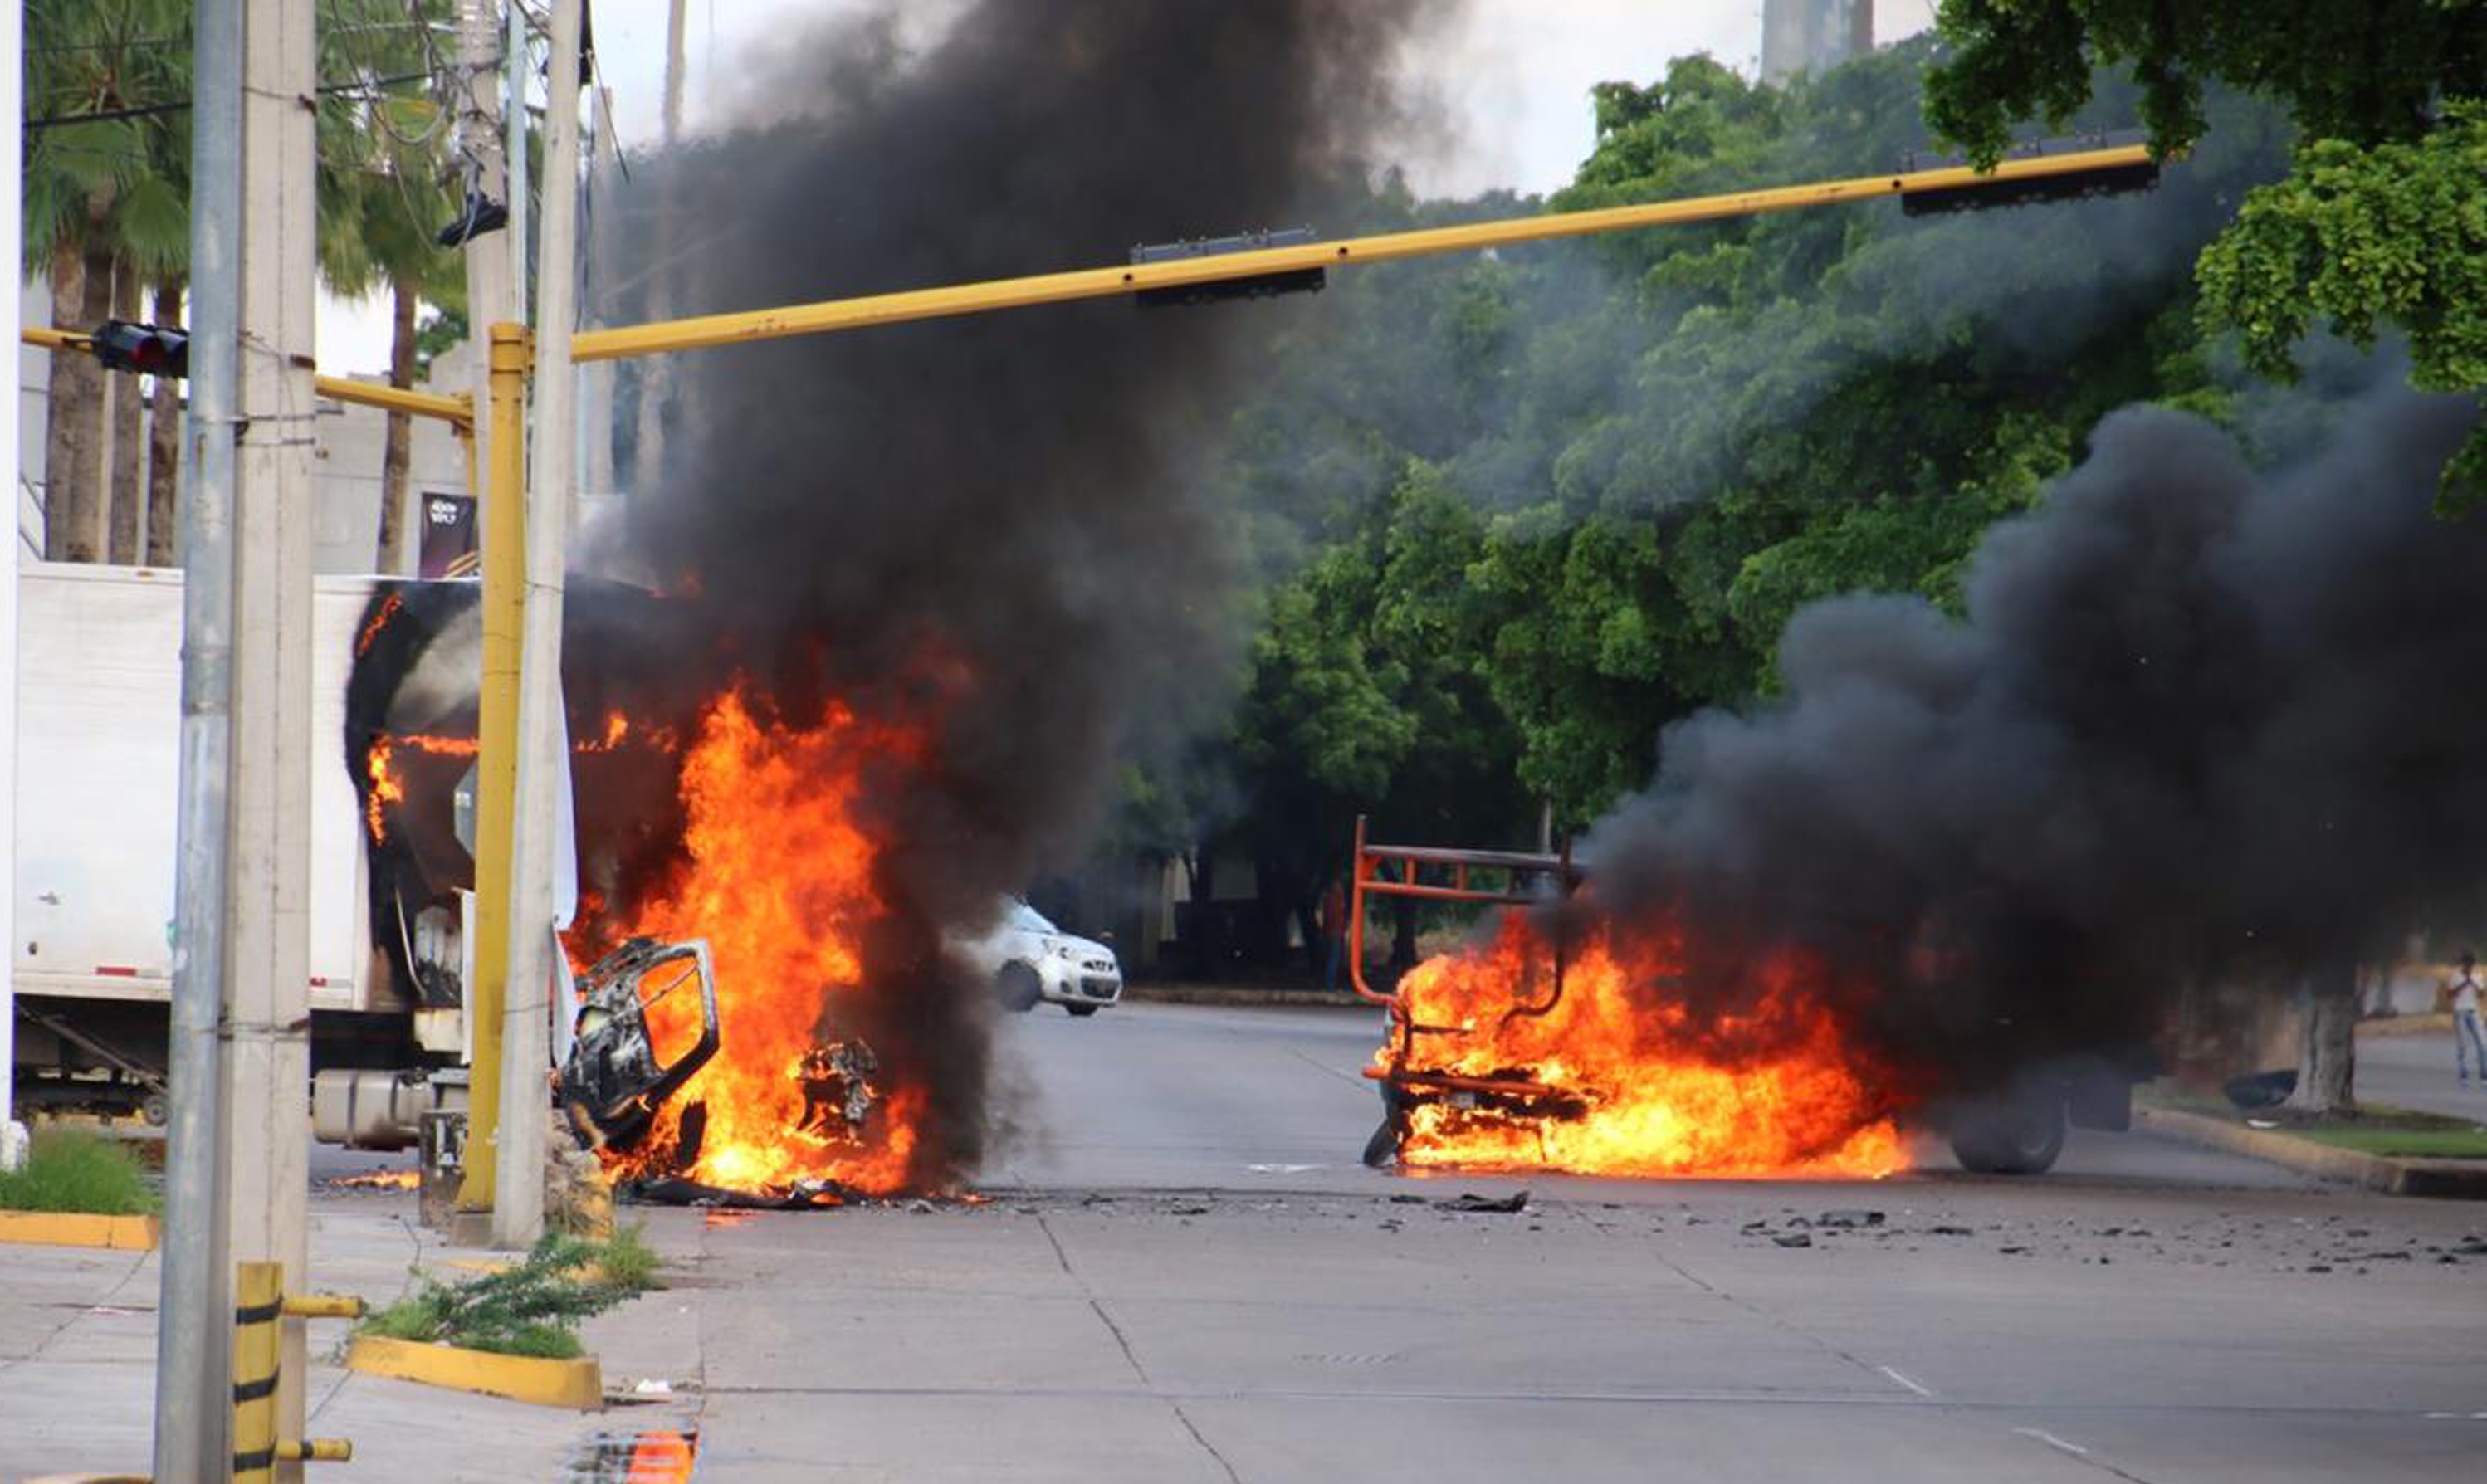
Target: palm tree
(77, 56)
(385, 186)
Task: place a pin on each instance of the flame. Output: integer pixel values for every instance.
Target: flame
(379, 620)
(780, 881)
(388, 776)
(377, 1180)
(1774, 1092)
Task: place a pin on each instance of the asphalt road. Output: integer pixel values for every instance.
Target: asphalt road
(1185, 1276)
(1177, 1096)
(2417, 1070)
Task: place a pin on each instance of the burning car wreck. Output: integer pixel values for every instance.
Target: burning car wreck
(1555, 1042)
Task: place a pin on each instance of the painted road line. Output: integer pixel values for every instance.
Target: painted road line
(1903, 1381)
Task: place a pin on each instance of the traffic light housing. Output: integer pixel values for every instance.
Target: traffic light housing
(2099, 180)
(1258, 285)
(142, 350)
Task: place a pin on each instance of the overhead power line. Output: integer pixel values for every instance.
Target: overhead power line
(151, 110)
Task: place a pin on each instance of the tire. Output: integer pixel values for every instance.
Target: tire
(1382, 1150)
(1081, 1010)
(156, 1110)
(1017, 989)
(2018, 1136)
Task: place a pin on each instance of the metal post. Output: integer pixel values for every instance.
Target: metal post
(517, 1212)
(513, 150)
(190, 1303)
(496, 753)
(479, 143)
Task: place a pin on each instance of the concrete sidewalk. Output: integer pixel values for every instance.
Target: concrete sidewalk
(77, 1359)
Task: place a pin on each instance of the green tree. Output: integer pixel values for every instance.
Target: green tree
(2378, 224)
(104, 208)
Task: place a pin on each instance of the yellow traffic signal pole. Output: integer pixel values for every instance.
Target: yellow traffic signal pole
(852, 314)
(496, 753)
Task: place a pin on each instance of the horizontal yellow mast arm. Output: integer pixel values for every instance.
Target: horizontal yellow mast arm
(457, 409)
(1099, 283)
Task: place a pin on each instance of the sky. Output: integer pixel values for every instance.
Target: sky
(1513, 75)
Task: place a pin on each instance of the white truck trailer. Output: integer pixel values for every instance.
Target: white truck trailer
(98, 708)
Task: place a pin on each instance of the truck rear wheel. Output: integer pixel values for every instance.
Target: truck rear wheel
(2010, 1135)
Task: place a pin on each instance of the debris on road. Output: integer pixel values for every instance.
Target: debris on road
(1848, 1219)
(1795, 1238)
(1470, 1201)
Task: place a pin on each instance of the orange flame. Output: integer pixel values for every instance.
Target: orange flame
(379, 620)
(780, 881)
(1776, 1092)
(388, 781)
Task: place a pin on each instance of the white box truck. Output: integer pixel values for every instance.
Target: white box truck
(99, 730)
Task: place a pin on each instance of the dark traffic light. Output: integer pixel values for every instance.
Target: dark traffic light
(142, 349)
(2098, 181)
(1256, 287)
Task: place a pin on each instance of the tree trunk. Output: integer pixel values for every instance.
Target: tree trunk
(164, 446)
(128, 461)
(398, 451)
(74, 431)
(1403, 932)
(1205, 924)
(2327, 1057)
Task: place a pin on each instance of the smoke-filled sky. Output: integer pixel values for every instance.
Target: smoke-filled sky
(1514, 75)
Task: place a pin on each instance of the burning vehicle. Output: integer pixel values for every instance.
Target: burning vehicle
(1552, 1043)
(726, 1036)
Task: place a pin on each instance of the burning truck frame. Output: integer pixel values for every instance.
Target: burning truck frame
(1552, 1042)
(722, 1038)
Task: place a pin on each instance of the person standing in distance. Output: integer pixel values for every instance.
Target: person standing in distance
(2468, 1037)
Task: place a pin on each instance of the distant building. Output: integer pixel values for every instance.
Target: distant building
(1814, 35)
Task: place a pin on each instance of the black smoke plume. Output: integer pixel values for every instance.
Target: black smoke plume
(984, 523)
(2198, 725)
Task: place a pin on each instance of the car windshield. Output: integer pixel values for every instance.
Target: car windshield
(1027, 919)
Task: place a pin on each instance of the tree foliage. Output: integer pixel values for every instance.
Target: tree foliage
(1516, 514)
(2379, 225)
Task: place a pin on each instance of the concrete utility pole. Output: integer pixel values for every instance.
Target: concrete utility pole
(267, 927)
(193, 1309)
(655, 376)
(488, 302)
(517, 1212)
(513, 151)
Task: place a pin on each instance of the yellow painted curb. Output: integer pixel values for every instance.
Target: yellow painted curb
(79, 1229)
(578, 1384)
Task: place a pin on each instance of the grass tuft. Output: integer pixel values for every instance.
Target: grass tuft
(71, 1169)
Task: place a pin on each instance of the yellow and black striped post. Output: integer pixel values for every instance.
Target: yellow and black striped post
(260, 1305)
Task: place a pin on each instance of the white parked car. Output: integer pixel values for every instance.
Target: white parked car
(1031, 960)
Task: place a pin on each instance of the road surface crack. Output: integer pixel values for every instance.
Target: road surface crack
(1130, 1357)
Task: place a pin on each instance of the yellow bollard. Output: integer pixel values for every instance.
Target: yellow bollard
(259, 1303)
